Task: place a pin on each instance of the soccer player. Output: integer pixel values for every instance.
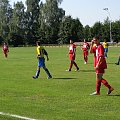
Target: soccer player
(85, 49)
(105, 45)
(72, 54)
(5, 49)
(118, 60)
(100, 66)
(41, 60)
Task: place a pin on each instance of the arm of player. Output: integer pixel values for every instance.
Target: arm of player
(91, 47)
(45, 52)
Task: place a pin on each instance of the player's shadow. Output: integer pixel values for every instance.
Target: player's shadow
(116, 95)
(111, 63)
(87, 70)
(65, 78)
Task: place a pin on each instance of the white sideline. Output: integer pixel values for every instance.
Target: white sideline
(16, 116)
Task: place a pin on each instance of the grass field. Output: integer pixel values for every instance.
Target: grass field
(65, 96)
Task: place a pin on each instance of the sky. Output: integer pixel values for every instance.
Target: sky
(89, 11)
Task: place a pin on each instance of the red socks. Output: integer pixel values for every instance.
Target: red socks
(105, 83)
(98, 85)
(71, 64)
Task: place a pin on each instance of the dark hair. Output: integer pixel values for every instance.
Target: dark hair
(85, 40)
(97, 37)
(38, 42)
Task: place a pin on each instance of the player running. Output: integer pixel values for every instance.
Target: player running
(41, 60)
(100, 66)
(5, 49)
(72, 54)
(85, 48)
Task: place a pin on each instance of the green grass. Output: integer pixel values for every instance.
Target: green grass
(66, 96)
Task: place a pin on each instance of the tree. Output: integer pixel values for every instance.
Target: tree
(17, 24)
(87, 32)
(51, 16)
(106, 29)
(70, 29)
(97, 29)
(32, 16)
(116, 31)
(5, 16)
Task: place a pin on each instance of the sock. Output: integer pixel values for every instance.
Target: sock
(105, 83)
(118, 60)
(98, 85)
(37, 73)
(105, 54)
(76, 65)
(71, 64)
(86, 59)
(47, 71)
(6, 55)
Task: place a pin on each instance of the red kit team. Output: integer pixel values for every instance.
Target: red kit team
(5, 49)
(85, 49)
(72, 55)
(99, 62)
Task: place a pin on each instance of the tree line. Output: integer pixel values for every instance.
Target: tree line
(47, 22)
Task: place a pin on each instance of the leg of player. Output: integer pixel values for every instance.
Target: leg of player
(105, 53)
(71, 64)
(98, 84)
(110, 89)
(77, 68)
(85, 59)
(37, 73)
(6, 55)
(118, 61)
(47, 71)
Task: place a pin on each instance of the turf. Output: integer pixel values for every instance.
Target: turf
(65, 96)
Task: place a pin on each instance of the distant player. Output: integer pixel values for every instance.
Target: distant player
(72, 54)
(105, 45)
(100, 66)
(41, 60)
(118, 60)
(85, 49)
(5, 49)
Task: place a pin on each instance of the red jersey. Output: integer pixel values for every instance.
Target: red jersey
(5, 47)
(85, 46)
(98, 52)
(72, 49)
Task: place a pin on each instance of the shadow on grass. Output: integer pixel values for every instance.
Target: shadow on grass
(87, 70)
(65, 78)
(111, 63)
(116, 95)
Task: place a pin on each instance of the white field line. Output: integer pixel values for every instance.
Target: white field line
(16, 116)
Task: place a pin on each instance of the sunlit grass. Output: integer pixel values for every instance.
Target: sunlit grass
(65, 96)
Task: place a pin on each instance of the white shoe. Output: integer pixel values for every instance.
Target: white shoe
(77, 70)
(85, 62)
(95, 93)
(68, 70)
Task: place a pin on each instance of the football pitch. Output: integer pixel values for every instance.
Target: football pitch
(65, 96)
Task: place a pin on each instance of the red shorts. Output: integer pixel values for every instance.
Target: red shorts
(71, 57)
(5, 51)
(100, 71)
(85, 53)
